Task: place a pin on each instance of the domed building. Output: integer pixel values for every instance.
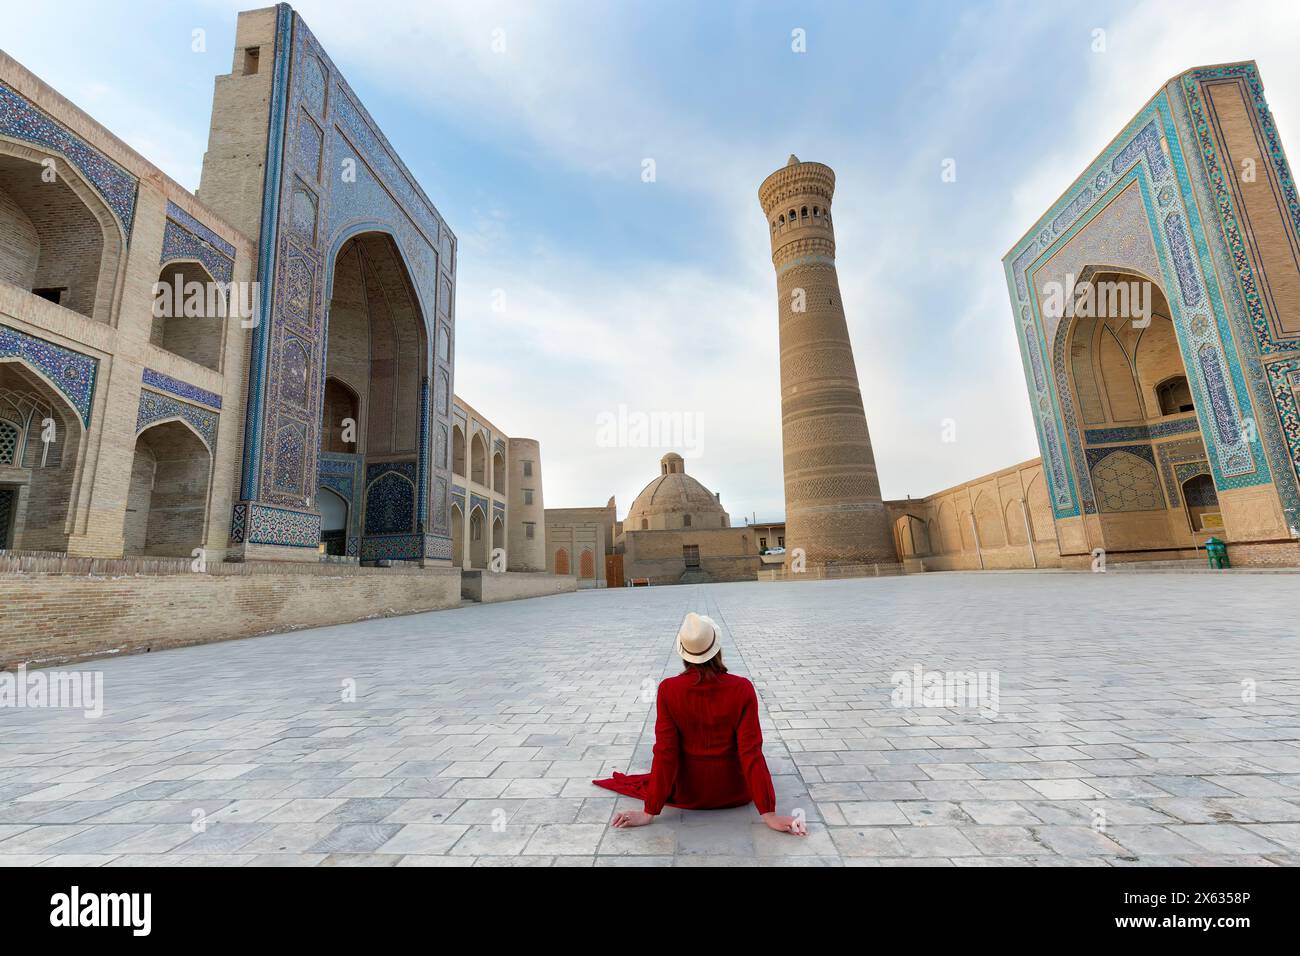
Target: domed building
(674, 501)
(676, 532)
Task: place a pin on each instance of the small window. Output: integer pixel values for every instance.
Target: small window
(816, 212)
(8, 443)
(686, 521)
(252, 57)
(528, 469)
(1174, 396)
(780, 542)
(793, 215)
(530, 530)
(691, 555)
(528, 496)
(803, 213)
(762, 543)
(52, 294)
(645, 525)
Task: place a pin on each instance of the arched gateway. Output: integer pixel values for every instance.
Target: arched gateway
(1154, 305)
(346, 392)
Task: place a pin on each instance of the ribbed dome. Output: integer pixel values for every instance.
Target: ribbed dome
(675, 500)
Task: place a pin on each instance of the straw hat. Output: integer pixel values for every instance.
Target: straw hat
(697, 640)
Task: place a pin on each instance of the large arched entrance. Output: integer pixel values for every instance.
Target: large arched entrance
(375, 368)
(40, 455)
(1136, 422)
(167, 505)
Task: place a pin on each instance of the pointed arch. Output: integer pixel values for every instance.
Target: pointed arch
(45, 462)
(167, 502)
(457, 535)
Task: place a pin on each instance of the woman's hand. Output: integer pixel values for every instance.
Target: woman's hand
(782, 824)
(631, 818)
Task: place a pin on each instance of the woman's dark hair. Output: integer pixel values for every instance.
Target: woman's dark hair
(709, 670)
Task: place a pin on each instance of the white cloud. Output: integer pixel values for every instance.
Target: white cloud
(586, 329)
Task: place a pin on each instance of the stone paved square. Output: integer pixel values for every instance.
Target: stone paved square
(1124, 732)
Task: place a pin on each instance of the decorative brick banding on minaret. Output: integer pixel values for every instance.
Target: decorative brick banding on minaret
(833, 509)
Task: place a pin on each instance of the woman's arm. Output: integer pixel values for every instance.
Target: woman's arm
(663, 769)
(749, 742)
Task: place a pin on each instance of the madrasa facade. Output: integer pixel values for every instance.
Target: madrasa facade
(307, 408)
(293, 430)
(1157, 308)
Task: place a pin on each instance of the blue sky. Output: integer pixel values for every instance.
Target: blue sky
(659, 296)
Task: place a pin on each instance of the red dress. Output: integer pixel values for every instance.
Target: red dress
(708, 751)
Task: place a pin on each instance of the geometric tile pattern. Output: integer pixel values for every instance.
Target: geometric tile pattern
(180, 243)
(70, 372)
(1225, 203)
(1250, 294)
(341, 473)
(155, 407)
(257, 523)
(1123, 481)
(390, 503)
(184, 219)
(1141, 432)
(21, 120)
(1173, 455)
(174, 386)
(1202, 493)
(318, 131)
(1146, 153)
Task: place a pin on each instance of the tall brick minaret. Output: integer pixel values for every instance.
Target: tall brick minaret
(833, 509)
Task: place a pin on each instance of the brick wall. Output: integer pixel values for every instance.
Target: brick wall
(194, 337)
(88, 513)
(938, 533)
(71, 239)
(101, 607)
(726, 554)
(489, 586)
(20, 244)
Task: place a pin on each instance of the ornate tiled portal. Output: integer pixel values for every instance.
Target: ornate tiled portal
(1139, 208)
(331, 175)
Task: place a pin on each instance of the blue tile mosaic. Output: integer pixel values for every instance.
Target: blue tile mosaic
(180, 216)
(1138, 155)
(179, 243)
(156, 407)
(165, 383)
(1137, 433)
(23, 121)
(70, 372)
